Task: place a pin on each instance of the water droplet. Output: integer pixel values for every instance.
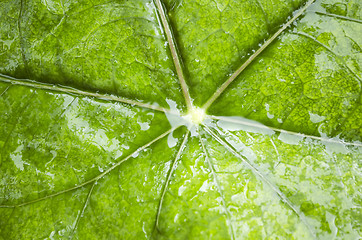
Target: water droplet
(171, 141)
(239, 123)
(315, 118)
(144, 125)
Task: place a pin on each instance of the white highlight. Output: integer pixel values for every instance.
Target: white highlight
(196, 115)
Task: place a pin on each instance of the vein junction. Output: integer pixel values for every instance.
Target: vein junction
(196, 115)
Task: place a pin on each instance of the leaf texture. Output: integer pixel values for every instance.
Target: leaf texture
(177, 119)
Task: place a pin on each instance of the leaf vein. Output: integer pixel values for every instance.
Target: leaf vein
(222, 88)
(263, 177)
(80, 215)
(175, 56)
(95, 178)
(212, 169)
(68, 90)
(331, 51)
(168, 179)
(261, 126)
(339, 16)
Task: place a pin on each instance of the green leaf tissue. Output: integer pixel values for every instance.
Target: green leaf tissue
(181, 119)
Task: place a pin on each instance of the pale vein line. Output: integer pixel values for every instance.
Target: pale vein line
(7, 88)
(264, 13)
(175, 56)
(21, 34)
(80, 215)
(340, 17)
(211, 167)
(256, 171)
(276, 150)
(95, 178)
(44, 86)
(169, 175)
(222, 88)
(330, 50)
(261, 126)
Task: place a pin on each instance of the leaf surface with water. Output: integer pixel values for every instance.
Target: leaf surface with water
(173, 119)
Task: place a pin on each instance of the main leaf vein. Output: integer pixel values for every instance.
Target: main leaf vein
(44, 86)
(175, 56)
(222, 88)
(264, 127)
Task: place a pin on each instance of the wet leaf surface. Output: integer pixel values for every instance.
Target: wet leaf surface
(180, 119)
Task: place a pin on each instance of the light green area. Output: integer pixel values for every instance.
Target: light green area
(314, 176)
(77, 167)
(310, 80)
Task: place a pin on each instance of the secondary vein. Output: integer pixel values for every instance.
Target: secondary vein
(80, 214)
(222, 88)
(334, 53)
(263, 177)
(340, 17)
(211, 167)
(95, 178)
(175, 56)
(168, 178)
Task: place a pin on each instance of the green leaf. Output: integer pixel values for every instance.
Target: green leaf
(173, 119)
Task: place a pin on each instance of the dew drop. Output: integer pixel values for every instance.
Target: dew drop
(171, 141)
